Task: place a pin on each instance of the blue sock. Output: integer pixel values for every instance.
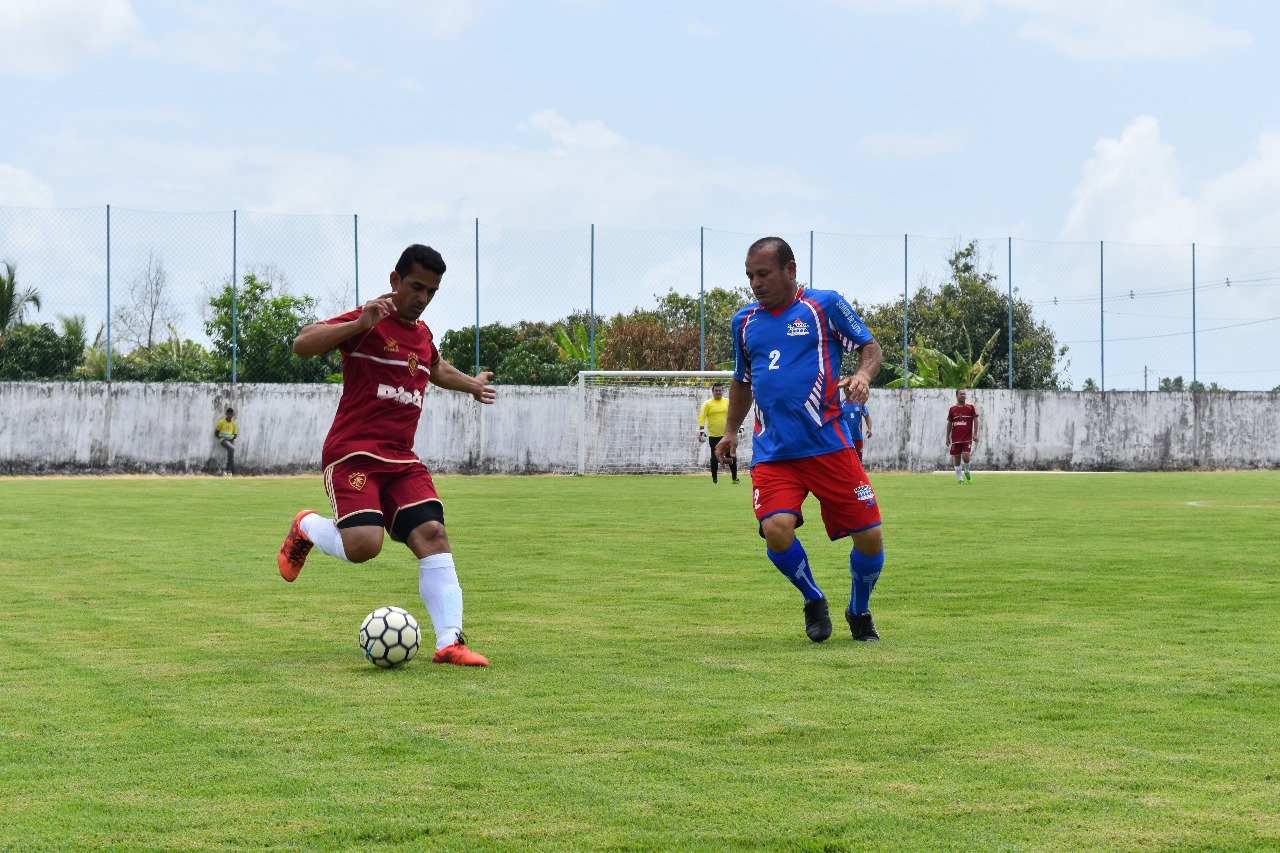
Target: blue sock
(865, 571)
(794, 564)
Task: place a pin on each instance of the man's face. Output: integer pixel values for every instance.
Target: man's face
(717, 391)
(412, 293)
(774, 286)
(960, 398)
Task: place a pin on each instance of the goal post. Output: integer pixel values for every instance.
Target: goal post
(644, 421)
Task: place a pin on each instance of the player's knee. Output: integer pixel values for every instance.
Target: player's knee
(869, 541)
(779, 531)
(362, 544)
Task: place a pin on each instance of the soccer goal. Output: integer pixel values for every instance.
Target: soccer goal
(645, 421)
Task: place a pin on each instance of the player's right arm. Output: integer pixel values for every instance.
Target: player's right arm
(702, 422)
(739, 404)
(319, 338)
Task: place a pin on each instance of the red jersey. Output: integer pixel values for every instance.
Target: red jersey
(385, 373)
(961, 419)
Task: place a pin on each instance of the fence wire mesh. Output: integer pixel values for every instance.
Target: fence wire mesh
(120, 295)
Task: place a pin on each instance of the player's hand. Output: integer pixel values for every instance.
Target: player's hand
(727, 449)
(376, 310)
(484, 392)
(857, 387)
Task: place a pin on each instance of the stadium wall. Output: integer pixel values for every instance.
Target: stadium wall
(168, 428)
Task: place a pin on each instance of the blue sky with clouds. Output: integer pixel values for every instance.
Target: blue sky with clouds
(1133, 121)
(1130, 120)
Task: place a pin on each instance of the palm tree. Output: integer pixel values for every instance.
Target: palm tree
(13, 304)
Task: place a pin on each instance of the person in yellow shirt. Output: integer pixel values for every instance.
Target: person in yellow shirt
(711, 428)
(226, 432)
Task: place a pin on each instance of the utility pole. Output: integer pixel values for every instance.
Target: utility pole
(1144, 377)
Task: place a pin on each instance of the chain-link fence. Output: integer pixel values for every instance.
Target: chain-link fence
(118, 295)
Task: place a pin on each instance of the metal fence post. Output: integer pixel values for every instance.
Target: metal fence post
(1009, 258)
(355, 242)
(906, 383)
(702, 298)
(811, 257)
(108, 293)
(235, 320)
(591, 309)
(477, 294)
(1102, 317)
(1193, 316)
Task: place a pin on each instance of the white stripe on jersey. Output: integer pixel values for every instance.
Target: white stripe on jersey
(392, 362)
(813, 405)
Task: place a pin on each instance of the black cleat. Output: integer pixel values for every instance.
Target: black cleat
(864, 630)
(817, 619)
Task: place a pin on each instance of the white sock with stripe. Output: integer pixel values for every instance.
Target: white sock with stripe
(440, 592)
(324, 534)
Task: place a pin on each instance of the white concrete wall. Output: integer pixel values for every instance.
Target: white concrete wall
(136, 427)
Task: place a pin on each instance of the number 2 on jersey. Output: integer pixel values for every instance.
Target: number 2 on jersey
(773, 359)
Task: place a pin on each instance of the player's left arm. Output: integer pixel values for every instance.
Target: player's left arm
(973, 437)
(866, 416)
(445, 375)
(870, 356)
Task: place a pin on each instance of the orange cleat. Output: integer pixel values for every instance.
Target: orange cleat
(459, 654)
(293, 553)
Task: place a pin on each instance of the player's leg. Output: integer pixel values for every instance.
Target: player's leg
(418, 521)
(354, 534)
(229, 445)
(955, 463)
(777, 496)
(715, 463)
(849, 508)
(967, 476)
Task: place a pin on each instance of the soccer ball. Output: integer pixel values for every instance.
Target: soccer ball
(389, 637)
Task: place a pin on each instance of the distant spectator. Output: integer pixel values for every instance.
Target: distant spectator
(226, 431)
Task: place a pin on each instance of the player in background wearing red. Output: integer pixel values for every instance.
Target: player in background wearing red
(374, 480)
(962, 435)
(787, 348)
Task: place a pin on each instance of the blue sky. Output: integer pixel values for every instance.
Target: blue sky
(1134, 121)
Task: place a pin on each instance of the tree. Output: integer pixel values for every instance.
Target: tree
(967, 308)
(267, 319)
(37, 351)
(1090, 385)
(1171, 384)
(642, 341)
(14, 302)
(144, 320)
(935, 369)
(678, 313)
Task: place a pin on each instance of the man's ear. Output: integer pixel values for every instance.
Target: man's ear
(395, 281)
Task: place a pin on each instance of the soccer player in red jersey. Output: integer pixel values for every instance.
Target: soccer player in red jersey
(374, 479)
(962, 435)
(787, 347)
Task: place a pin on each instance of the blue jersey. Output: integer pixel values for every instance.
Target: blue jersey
(852, 411)
(791, 358)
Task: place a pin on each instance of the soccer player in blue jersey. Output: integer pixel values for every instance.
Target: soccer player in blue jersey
(787, 350)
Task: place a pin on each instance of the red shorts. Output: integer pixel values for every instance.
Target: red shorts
(857, 446)
(835, 479)
(360, 483)
(961, 447)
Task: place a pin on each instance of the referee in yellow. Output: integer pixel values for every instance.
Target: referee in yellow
(711, 427)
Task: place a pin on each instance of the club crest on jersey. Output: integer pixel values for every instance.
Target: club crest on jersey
(391, 346)
(413, 364)
(357, 481)
(797, 327)
(864, 494)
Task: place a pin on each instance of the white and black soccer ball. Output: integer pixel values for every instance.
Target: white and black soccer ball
(389, 637)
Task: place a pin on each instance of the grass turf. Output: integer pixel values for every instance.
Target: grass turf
(1069, 662)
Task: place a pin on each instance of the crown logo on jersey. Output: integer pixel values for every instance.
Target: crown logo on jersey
(357, 481)
(797, 327)
(413, 364)
(391, 346)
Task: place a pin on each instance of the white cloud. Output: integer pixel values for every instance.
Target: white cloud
(20, 188)
(583, 136)
(1132, 191)
(908, 145)
(44, 38)
(1090, 30)
(1136, 29)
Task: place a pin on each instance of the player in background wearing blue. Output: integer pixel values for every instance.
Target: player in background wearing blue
(787, 349)
(854, 413)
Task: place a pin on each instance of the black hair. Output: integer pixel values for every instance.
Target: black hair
(424, 256)
(781, 250)
(230, 411)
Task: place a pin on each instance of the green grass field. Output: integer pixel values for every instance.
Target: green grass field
(1069, 662)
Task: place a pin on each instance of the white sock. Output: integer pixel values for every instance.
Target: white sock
(966, 467)
(959, 476)
(324, 534)
(438, 586)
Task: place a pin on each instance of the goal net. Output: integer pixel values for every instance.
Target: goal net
(646, 422)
